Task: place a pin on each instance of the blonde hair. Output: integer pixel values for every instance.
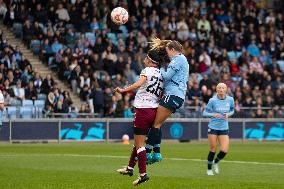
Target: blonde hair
(157, 43)
(175, 45)
(159, 46)
(222, 84)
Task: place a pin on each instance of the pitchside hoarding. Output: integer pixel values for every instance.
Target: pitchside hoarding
(100, 130)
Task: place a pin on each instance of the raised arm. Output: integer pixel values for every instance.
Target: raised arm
(134, 86)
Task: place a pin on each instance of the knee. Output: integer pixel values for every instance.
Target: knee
(224, 149)
(157, 125)
(212, 148)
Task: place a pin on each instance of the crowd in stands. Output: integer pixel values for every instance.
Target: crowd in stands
(21, 84)
(238, 42)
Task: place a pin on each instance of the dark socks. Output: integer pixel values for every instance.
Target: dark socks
(153, 136)
(149, 148)
(210, 159)
(157, 148)
(220, 156)
(158, 142)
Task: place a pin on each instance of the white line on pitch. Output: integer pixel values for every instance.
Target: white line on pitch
(125, 157)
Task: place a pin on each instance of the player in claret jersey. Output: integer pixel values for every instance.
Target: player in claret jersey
(146, 103)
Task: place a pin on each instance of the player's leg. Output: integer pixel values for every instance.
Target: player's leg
(212, 140)
(128, 170)
(155, 133)
(224, 147)
(141, 154)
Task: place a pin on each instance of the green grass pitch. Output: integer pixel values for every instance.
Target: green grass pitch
(93, 165)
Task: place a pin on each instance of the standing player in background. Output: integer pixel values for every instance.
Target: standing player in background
(219, 108)
(1, 108)
(146, 103)
(175, 76)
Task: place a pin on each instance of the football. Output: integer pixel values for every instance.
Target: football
(119, 15)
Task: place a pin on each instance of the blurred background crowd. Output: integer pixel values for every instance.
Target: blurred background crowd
(238, 42)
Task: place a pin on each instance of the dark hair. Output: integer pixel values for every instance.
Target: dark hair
(175, 45)
(153, 55)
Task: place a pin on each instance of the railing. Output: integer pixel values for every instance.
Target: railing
(186, 112)
(108, 129)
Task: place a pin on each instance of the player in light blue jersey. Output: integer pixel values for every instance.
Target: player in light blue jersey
(219, 108)
(175, 77)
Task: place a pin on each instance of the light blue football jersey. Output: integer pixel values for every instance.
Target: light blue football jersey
(176, 76)
(220, 106)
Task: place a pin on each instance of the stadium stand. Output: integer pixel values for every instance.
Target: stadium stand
(240, 43)
(25, 91)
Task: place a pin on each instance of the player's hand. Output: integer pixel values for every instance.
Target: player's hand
(119, 90)
(218, 116)
(226, 116)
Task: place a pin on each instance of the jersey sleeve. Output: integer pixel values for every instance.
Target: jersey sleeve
(232, 107)
(208, 111)
(145, 72)
(1, 98)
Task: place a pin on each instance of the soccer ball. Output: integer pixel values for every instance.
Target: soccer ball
(119, 15)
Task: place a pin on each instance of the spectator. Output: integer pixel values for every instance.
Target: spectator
(223, 42)
(19, 91)
(62, 13)
(30, 92)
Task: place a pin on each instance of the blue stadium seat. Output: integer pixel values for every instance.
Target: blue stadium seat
(16, 102)
(39, 103)
(35, 46)
(91, 37)
(41, 96)
(18, 30)
(27, 103)
(11, 112)
(38, 112)
(113, 37)
(69, 26)
(26, 112)
(77, 35)
(124, 31)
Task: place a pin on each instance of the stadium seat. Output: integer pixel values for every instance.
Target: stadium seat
(35, 46)
(26, 112)
(41, 96)
(39, 103)
(113, 37)
(39, 112)
(12, 112)
(69, 26)
(16, 102)
(28, 103)
(77, 35)
(18, 30)
(124, 31)
(91, 37)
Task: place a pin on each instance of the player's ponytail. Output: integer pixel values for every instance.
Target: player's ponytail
(159, 46)
(157, 43)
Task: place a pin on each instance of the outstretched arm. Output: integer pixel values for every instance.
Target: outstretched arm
(134, 86)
